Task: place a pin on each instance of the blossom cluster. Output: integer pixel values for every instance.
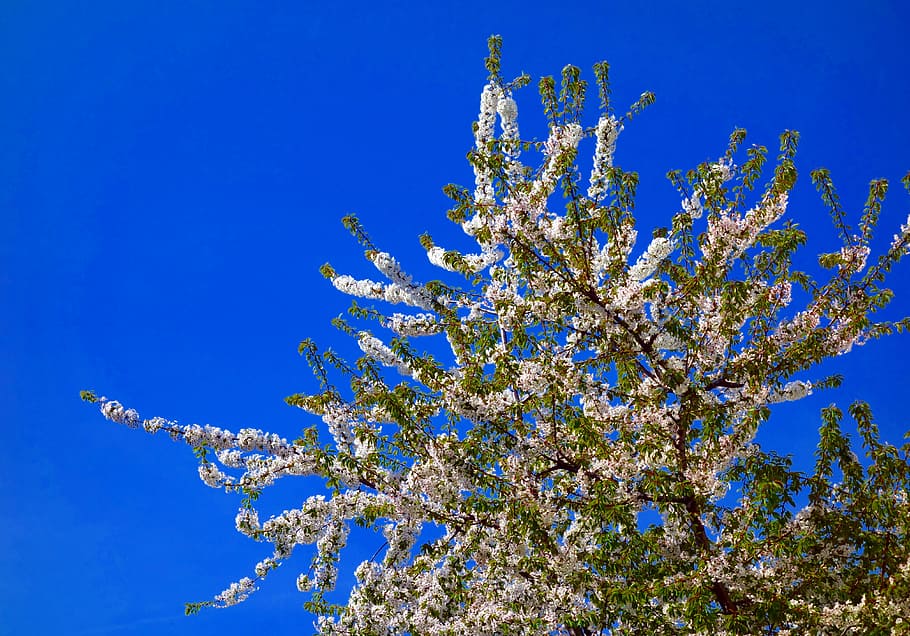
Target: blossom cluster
(581, 457)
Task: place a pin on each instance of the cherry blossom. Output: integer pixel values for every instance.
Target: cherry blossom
(575, 450)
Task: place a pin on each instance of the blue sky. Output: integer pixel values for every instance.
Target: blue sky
(173, 174)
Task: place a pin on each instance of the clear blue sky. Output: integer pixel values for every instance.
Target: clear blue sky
(172, 174)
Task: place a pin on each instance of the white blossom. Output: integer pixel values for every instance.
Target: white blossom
(576, 450)
(413, 325)
(376, 349)
(792, 391)
(657, 251)
(114, 411)
(237, 592)
(853, 258)
(486, 123)
(606, 133)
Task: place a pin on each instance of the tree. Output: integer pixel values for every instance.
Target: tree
(581, 460)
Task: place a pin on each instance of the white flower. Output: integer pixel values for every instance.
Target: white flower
(724, 169)
(264, 566)
(606, 133)
(508, 119)
(791, 391)
(413, 325)
(657, 251)
(155, 424)
(853, 257)
(230, 457)
(114, 411)
(410, 294)
(901, 239)
(486, 123)
(474, 262)
(213, 477)
(377, 350)
(304, 583)
(237, 592)
(693, 206)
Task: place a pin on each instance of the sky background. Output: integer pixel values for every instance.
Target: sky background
(172, 175)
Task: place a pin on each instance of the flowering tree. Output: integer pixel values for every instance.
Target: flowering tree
(582, 461)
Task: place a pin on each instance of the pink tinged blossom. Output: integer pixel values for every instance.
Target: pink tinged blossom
(801, 325)
(729, 235)
(556, 228)
(853, 257)
(780, 294)
(843, 336)
(532, 377)
(252, 439)
(713, 344)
